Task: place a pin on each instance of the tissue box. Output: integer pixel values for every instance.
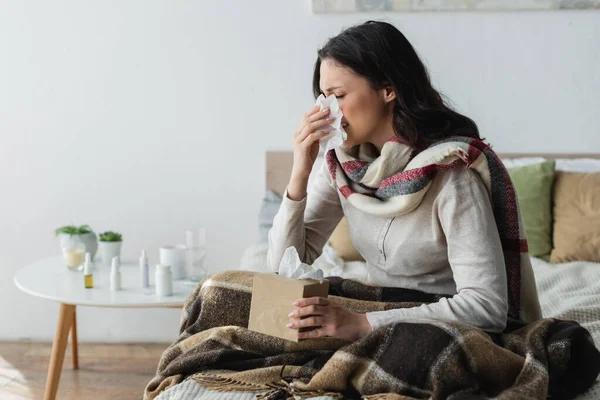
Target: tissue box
(272, 298)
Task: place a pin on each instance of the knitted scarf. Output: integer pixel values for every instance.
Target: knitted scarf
(394, 182)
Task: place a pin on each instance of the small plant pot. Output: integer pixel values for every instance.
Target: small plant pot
(108, 250)
(90, 240)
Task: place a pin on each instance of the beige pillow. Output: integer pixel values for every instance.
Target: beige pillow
(342, 244)
(576, 217)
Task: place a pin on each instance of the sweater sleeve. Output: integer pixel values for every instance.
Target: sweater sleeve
(306, 224)
(475, 256)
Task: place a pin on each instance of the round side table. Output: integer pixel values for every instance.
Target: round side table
(50, 279)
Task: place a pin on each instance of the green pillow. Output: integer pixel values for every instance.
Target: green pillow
(533, 184)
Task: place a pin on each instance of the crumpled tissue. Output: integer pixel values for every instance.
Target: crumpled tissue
(337, 135)
(292, 267)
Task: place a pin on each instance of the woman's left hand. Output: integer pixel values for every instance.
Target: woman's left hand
(329, 319)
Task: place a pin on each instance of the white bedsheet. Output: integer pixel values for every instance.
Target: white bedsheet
(571, 291)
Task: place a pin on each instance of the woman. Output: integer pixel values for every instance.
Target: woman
(446, 242)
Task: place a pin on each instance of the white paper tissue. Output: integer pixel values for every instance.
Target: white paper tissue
(292, 267)
(337, 135)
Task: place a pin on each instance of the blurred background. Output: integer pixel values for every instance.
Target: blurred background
(153, 117)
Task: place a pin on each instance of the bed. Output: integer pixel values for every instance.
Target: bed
(569, 291)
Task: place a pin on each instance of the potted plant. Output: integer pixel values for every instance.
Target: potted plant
(84, 233)
(110, 246)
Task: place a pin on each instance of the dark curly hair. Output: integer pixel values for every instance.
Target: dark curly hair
(379, 52)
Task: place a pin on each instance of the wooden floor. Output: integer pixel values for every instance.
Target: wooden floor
(106, 371)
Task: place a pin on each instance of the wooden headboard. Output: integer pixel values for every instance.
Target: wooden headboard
(279, 169)
(279, 165)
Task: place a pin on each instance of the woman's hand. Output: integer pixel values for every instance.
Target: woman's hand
(306, 149)
(329, 319)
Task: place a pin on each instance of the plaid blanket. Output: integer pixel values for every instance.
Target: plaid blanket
(410, 360)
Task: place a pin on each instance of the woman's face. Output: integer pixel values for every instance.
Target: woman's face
(367, 112)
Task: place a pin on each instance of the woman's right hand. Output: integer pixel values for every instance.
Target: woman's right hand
(306, 149)
(306, 140)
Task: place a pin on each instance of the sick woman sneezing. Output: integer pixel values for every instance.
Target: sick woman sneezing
(429, 205)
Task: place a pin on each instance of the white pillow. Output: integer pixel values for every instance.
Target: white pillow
(521, 161)
(562, 164)
(578, 165)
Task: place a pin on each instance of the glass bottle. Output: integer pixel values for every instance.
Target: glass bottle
(196, 255)
(88, 277)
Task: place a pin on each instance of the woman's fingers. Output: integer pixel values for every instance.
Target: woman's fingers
(312, 111)
(318, 115)
(312, 115)
(309, 322)
(321, 301)
(314, 122)
(308, 310)
(312, 128)
(314, 137)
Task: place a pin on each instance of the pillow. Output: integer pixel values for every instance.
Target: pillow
(340, 238)
(562, 164)
(576, 217)
(521, 161)
(342, 244)
(268, 209)
(272, 201)
(533, 184)
(578, 164)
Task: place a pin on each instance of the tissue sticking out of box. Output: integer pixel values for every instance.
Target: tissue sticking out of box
(337, 135)
(292, 267)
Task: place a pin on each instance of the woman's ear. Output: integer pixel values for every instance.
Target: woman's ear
(389, 94)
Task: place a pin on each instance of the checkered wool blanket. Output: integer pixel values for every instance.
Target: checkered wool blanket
(414, 359)
(393, 181)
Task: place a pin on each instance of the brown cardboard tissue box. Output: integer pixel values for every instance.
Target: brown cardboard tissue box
(272, 298)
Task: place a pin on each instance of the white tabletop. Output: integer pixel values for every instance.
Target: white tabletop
(50, 279)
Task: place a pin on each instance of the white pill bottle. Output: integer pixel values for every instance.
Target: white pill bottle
(164, 280)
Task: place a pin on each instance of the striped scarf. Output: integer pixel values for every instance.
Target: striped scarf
(395, 181)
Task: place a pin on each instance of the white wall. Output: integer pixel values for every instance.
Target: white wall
(149, 117)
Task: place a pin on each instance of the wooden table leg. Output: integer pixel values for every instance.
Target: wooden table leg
(65, 321)
(74, 344)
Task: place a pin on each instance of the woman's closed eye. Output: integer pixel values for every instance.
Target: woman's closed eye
(340, 96)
